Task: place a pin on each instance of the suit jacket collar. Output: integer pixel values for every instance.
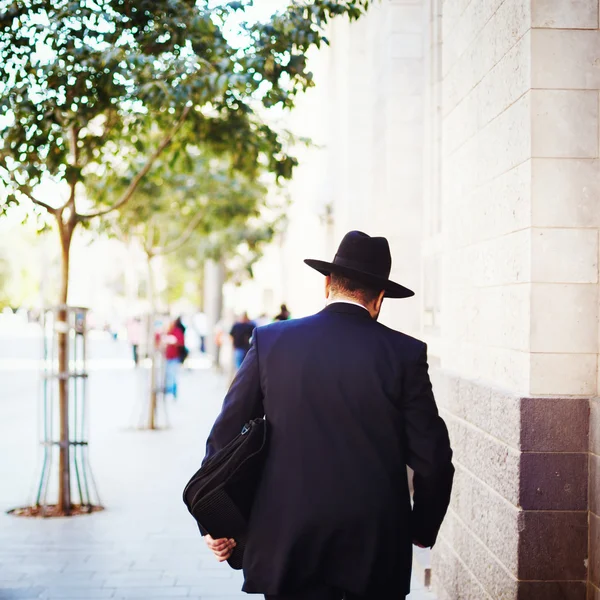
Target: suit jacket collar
(349, 309)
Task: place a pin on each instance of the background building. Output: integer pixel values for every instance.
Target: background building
(467, 132)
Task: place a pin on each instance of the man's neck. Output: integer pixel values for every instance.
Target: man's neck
(347, 300)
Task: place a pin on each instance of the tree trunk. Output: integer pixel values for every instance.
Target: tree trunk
(64, 481)
(201, 288)
(152, 345)
(214, 280)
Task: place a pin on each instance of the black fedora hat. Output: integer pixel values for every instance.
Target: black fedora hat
(366, 259)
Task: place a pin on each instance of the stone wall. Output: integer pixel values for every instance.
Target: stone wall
(518, 523)
(518, 340)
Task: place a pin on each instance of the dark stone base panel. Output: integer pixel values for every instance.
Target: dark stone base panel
(552, 590)
(594, 561)
(553, 546)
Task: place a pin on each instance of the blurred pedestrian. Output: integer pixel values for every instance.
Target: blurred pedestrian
(134, 333)
(241, 334)
(284, 314)
(175, 354)
(219, 335)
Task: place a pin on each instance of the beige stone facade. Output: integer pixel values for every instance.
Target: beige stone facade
(467, 132)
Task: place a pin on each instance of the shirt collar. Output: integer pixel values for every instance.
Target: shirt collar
(329, 303)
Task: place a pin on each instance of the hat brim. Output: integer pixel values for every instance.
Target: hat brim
(392, 289)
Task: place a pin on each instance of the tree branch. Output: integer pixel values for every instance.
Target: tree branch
(183, 238)
(136, 180)
(49, 208)
(23, 190)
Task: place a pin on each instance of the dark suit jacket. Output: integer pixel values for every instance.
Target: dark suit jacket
(349, 405)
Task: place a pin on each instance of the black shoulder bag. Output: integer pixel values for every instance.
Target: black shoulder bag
(221, 493)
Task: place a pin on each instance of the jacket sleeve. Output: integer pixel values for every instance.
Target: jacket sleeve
(428, 452)
(243, 402)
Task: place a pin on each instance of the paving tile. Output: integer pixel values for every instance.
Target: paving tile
(78, 593)
(153, 592)
(143, 582)
(25, 593)
(197, 579)
(58, 581)
(210, 587)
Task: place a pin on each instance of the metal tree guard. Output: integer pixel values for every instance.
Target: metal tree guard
(76, 472)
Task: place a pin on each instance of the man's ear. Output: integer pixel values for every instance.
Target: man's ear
(379, 301)
(327, 286)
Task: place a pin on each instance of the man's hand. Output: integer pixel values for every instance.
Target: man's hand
(222, 548)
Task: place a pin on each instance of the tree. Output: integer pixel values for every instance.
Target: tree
(190, 197)
(80, 77)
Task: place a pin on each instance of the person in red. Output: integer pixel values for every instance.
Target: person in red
(175, 353)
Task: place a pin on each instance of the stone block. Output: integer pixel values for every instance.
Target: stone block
(502, 367)
(451, 579)
(506, 417)
(554, 481)
(446, 390)
(500, 87)
(504, 144)
(564, 123)
(563, 374)
(595, 426)
(487, 458)
(565, 59)
(565, 192)
(594, 559)
(499, 261)
(553, 546)
(561, 315)
(501, 317)
(507, 81)
(594, 494)
(551, 590)
(497, 526)
(593, 593)
(452, 12)
(482, 215)
(575, 14)
(564, 255)
(464, 69)
(554, 424)
(476, 401)
(463, 36)
(478, 559)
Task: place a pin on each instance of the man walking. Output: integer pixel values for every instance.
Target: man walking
(349, 404)
(241, 334)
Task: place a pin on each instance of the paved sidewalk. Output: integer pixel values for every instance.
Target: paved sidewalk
(144, 545)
